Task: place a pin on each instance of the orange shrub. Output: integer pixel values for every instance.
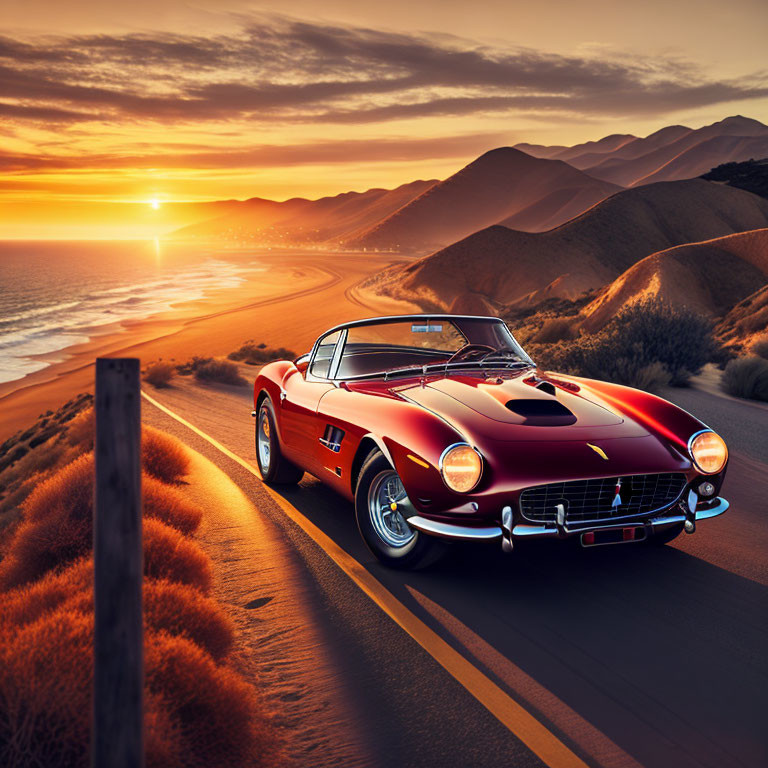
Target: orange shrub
(45, 692)
(27, 604)
(169, 505)
(163, 456)
(57, 527)
(182, 610)
(168, 555)
(160, 374)
(215, 715)
(80, 430)
(197, 713)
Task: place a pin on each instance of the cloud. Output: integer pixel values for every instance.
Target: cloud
(264, 156)
(276, 69)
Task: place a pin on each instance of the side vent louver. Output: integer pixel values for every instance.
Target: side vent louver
(332, 438)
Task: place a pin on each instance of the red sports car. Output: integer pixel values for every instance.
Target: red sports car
(441, 427)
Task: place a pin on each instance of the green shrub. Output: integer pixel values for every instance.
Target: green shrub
(747, 377)
(252, 353)
(647, 345)
(159, 374)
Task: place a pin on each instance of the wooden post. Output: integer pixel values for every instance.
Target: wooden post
(118, 653)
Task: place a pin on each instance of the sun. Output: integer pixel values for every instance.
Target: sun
(155, 203)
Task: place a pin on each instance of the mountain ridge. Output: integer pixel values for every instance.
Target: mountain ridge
(512, 267)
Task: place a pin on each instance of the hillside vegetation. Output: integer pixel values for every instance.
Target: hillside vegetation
(199, 710)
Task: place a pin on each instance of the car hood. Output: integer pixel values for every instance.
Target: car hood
(520, 408)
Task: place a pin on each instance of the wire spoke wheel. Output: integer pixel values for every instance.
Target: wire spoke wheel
(384, 495)
(263, 439)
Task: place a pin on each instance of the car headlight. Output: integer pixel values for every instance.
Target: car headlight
(461, 466)
(708, 451)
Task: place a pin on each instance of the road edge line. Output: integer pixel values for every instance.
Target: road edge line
(521, 723)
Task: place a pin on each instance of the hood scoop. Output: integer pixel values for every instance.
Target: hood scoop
(542, 413)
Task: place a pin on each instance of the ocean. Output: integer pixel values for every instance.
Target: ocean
(57, 294)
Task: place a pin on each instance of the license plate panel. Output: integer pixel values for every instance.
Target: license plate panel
(606, 536)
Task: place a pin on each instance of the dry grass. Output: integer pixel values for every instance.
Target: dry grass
(169, 555)
(252, 353)
(160, 374)
(45, 691)
(213, 370)
(162, 456)
(214, 715)
(170, 506)
(81, 431)
(747, 377)
(199, 711)
(29, 603)
(647, 345)
(760, 347)
(57, 529)
(182, 610)
(57, 526)
(555, 329)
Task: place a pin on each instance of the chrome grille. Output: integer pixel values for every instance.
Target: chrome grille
(591, 499)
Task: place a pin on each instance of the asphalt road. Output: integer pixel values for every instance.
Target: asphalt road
(628, 655)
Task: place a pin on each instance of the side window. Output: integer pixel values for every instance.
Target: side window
(321, 362)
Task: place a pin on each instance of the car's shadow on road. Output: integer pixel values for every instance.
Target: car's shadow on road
(653, 646)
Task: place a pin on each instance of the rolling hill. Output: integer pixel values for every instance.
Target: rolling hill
(300, 221)
(747, 321)
(503, 185)
(709, 277)
(508, 266)
(672, 153)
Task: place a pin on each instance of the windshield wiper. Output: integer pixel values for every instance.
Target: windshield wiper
(425, 370)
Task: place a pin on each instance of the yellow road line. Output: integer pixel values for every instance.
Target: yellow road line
(506, 710)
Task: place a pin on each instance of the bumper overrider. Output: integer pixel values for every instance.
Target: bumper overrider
(686, 512)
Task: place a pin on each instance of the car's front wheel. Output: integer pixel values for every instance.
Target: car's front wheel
(273, 466)
(383, 528)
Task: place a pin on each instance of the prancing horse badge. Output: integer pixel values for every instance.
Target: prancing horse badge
(599, 451)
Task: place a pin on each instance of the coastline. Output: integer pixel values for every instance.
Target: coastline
(287, 305)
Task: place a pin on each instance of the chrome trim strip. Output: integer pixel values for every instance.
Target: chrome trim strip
(337, 353)
(716, 509)
(450, 531)
(540, 531)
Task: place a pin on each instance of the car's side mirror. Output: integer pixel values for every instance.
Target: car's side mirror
(302, 364)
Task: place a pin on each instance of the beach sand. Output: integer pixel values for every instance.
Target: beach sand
(288, 305)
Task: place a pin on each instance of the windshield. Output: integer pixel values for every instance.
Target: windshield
(389, 347)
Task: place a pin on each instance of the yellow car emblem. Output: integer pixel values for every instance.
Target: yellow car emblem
(599, 451)
(393, 506)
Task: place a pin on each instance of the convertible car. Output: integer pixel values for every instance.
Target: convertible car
(440, 427)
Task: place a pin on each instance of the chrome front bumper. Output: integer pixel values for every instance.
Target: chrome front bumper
(688, 516)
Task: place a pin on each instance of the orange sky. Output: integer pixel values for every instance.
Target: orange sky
(167, 99)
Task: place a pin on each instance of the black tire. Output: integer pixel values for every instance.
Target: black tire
(419, 552)
(275, 469)
(660, 539)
